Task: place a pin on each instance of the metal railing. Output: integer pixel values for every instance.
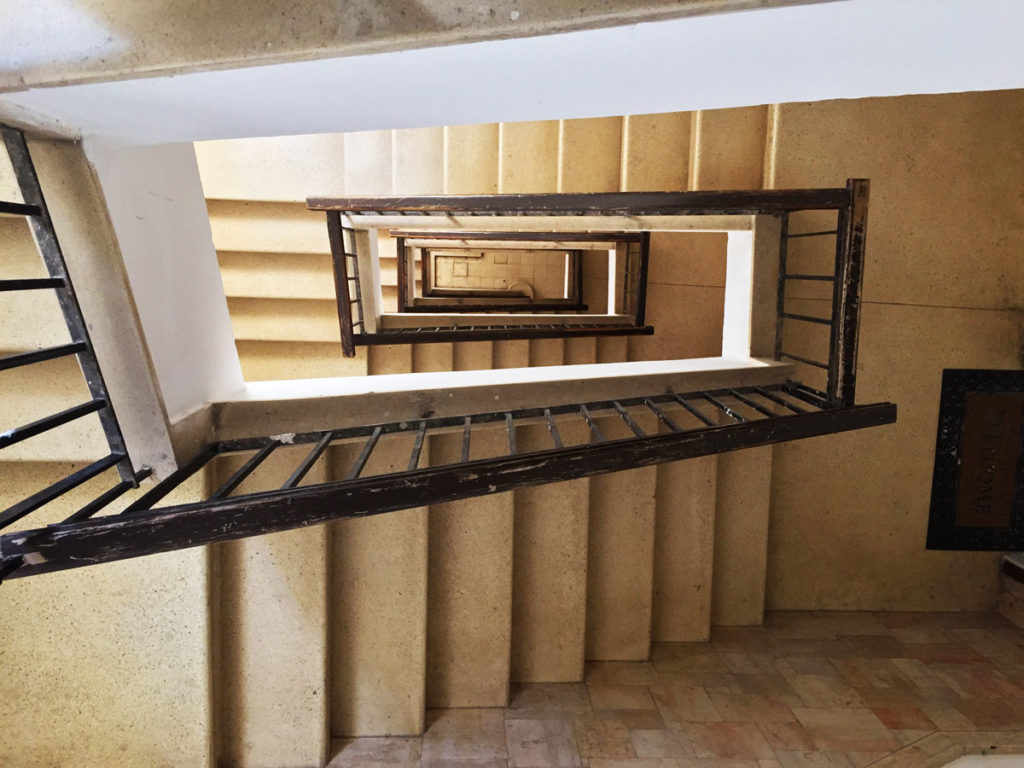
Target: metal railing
(34, 209)
(638, 430)
(621, 433)
(354, 331)
(823, 344)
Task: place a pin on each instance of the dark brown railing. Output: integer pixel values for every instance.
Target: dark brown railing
(641, 429)
(354, 331)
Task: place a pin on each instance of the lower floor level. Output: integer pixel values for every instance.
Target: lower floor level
(806, 690)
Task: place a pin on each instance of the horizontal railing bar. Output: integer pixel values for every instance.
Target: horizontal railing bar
(468, 425)
(494, 333)
(807, 318)
(118, 537)
(811, 234)
(694, 411)
(62, 486)
(724, 408)
(511, 429)
(629, 420)
(307, 463)
(16, 435)
(594, 429)
(750, 403)
(552, 428)
(596, 203)
(829, 278)
(808, 395)
(448, 234)
(239, 475)
(767, 395)
(364, 455)
(31, 284)
(173, 480)
(39, 355)
(19, 209)
(805, 360)
(417, 446)
(667, 420)
(109, 496)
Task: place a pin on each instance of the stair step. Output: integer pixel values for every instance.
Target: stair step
(272, 713)
(378, 599)
(742, 501)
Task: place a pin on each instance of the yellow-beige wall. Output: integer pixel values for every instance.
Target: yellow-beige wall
(112, 664)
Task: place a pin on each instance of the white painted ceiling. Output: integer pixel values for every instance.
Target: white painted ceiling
(805, 53)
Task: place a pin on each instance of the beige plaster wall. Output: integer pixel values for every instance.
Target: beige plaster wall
(944, 288)
(108, 665)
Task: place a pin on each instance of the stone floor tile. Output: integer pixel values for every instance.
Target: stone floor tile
(907, 697)
(548, 700)
(842, 729)
(943, 653)
(700, 679)
(947, 717)
(634, 719)
(728, 740)
(805, 665)
(1001, 644)
(773, 686)
(393, 752)
(757, 640)
(541, 744)
(680, 704)
(620, 697)
(465, 734)
(812, 760)
(821, 648)
(686, 658)
(923, 635)
(970, 681)
(824, 691)
(751, 707)
(808, 690)
(620, 673)
(748, 663)
(875, 646)
(602, 738)
(904, 718)
(866, 673)
(863, 759)
(910, 736)
(918, 673)
(787, 737)
(663, 743)
(996, 713)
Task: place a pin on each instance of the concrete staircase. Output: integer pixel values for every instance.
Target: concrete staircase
(445, 606)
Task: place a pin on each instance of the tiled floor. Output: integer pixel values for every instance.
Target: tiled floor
(807, 690)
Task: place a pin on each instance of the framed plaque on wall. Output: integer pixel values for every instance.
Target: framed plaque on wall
(978, 482)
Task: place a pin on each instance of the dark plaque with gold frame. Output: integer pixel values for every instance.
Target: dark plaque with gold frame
(978, 485)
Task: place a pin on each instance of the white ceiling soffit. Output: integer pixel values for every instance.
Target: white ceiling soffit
(853, 49)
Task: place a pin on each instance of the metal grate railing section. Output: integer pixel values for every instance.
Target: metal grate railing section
(821, 261)
(606, 420)
(80, 346)
(583, 439)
